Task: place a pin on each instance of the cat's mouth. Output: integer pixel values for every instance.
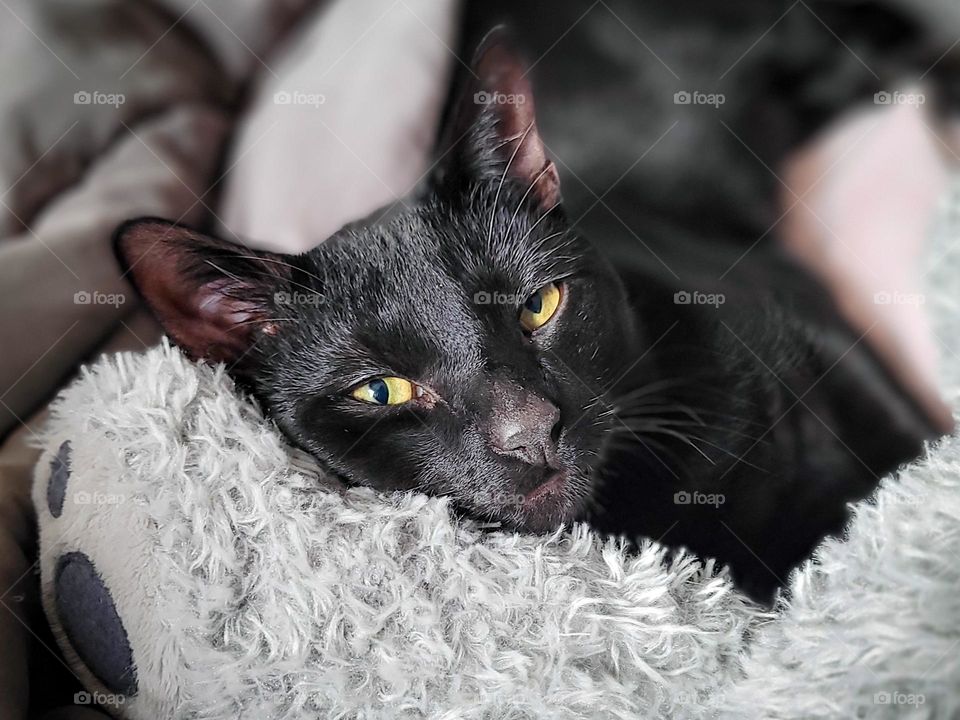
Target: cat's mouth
(551, 487)
(554, 499)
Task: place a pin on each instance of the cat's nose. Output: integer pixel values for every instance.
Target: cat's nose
(525, 427)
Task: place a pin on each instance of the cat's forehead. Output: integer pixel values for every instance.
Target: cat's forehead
(431, 251)
(401, 260)
(390, 295)
(417, 289)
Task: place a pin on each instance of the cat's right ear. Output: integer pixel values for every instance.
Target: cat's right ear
(212, 297)
(492, 133)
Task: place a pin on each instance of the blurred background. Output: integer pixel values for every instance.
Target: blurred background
(183, 110)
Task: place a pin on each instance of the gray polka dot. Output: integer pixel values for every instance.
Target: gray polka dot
(59, 474)
(91, 623)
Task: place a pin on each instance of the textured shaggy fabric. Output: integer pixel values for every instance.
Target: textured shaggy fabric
(249, 586)
(244, 582)
(873, 627)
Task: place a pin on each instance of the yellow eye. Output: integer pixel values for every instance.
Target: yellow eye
(540, 307)
(386, 391)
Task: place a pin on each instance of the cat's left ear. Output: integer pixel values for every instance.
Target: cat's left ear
(492, 133)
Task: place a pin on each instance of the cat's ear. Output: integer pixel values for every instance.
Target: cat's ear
(212, 297)
(492, 133)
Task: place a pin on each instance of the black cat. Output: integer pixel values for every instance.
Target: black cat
(474, 344)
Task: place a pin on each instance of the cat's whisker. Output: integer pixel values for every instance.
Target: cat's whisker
(496, 198)
(642, 422)
(523, 198)
(555, 253)
(702, 383)
(629, 443)
(667, 431)
(264, 320)
(220, 269)
(598, 399)
(283, 263)
(649, 399)
(558, 247)
(538, 221)
(693, 413)
(633, 426)
(738, 458)
(655, 386)
(656, 407)
(548, 237)
(261, 273)
(705, 426)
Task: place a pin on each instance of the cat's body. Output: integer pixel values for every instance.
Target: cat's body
(669, 124)
(755, 78)
(537, 382)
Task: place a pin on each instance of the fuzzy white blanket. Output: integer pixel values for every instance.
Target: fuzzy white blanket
(192, 566)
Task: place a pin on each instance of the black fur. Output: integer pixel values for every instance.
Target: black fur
(766, 401)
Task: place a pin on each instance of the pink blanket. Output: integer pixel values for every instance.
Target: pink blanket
(122, 109)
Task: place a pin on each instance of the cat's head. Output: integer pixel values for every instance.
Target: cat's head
(457, 347)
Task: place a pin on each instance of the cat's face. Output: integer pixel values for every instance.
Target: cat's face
(452, 358)
(460, 347)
